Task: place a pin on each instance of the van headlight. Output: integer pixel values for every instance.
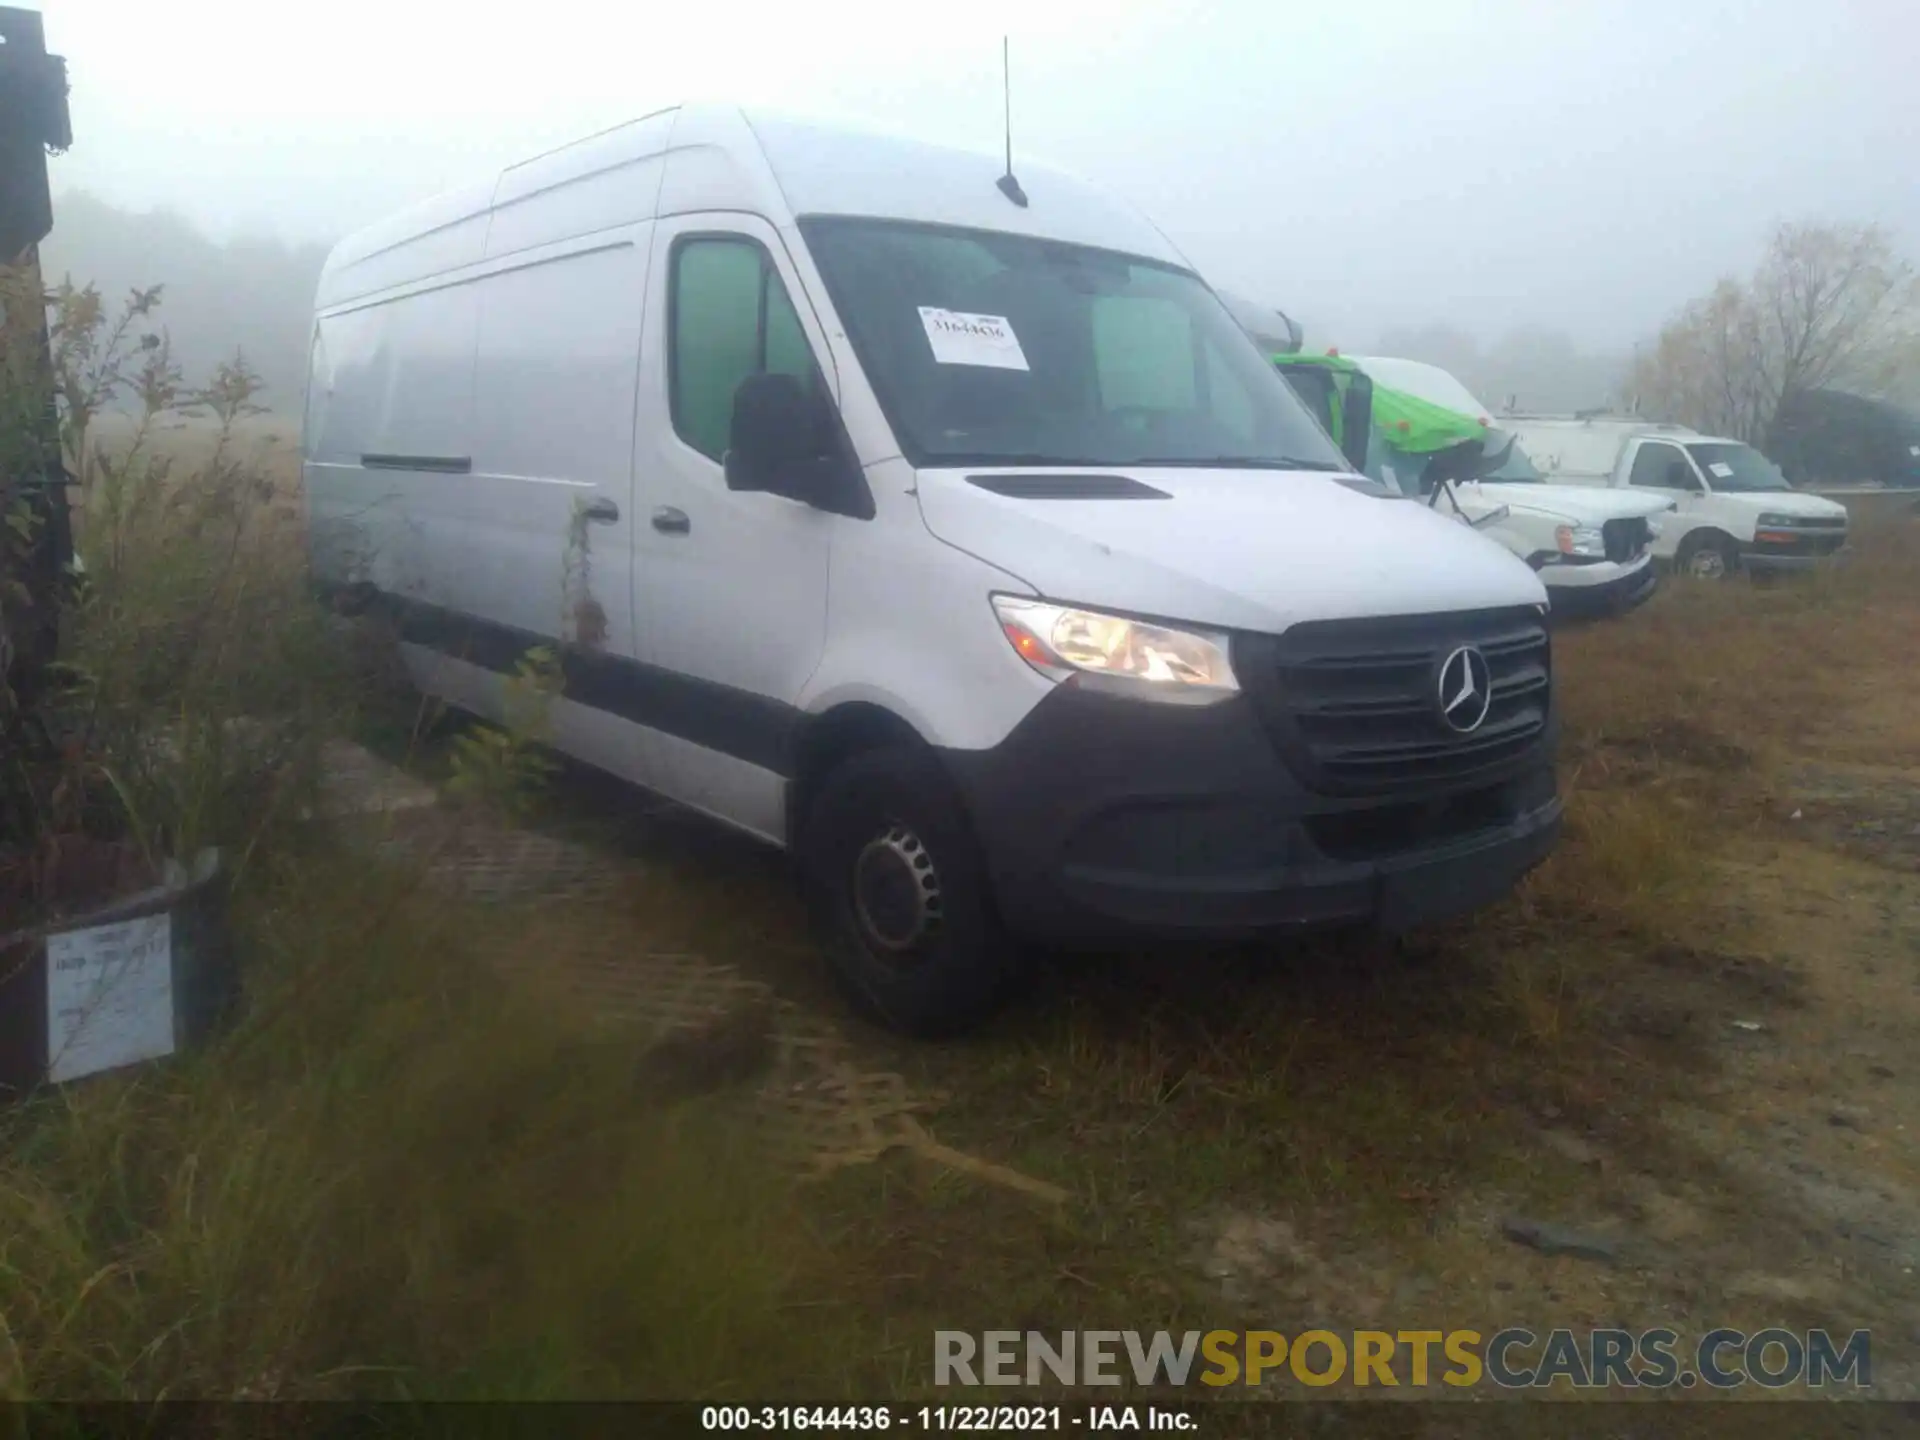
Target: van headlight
(1111, 652)
(1776, 522)
(1582, 540)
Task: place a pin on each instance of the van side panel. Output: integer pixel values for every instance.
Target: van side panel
(391, 409)
(559, 359)
(550, 529)
(1574, 453)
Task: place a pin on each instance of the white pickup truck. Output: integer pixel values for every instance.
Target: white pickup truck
(1734, 509)
(1593, 547)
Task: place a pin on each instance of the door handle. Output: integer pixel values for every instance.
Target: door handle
(671, 521)
(601, 511)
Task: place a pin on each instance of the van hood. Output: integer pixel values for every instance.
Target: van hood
(1573, 504)
(1256, 550)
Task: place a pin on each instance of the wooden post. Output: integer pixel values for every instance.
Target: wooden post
(36, 541)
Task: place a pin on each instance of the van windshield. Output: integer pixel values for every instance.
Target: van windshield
(1737, 468)
(986, 348)
(1516, 469)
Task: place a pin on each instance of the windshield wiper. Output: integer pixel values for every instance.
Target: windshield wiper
(1232, 462)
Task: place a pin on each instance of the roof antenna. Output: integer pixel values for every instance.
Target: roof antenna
(1009, 186)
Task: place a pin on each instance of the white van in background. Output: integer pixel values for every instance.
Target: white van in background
(1735, 510)
(940, 526)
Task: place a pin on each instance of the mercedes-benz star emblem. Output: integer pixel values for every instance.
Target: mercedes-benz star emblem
(1465, 690)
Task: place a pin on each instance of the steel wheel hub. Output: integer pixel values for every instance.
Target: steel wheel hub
(896, 891)
(1707, 565)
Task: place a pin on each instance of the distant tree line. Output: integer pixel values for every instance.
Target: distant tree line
(1534, 369)
(251, 295)
(1829, 308)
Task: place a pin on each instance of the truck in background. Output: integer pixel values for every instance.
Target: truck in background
(1831, 438)
(1734, 509)
(1428, 438)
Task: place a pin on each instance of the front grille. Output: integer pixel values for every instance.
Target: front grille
(1353, 705)
(1625, 538)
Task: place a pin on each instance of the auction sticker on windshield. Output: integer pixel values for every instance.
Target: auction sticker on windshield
(1722, 469)
(961, 339)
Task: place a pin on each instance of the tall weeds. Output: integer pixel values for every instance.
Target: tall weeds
(398, 1174)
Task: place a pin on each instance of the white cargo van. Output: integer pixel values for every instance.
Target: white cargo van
(944, 529)
(1735, 509)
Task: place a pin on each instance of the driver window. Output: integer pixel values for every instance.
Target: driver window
(1662, 467)
(729, 318)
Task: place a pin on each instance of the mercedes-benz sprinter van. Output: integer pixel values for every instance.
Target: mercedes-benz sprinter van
(939, 526)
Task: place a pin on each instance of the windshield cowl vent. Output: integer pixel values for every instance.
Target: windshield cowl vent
(1067, 487)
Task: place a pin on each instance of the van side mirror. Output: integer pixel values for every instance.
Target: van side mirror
(786, 440)
(1492, 460)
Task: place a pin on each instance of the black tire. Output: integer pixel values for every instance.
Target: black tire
(1711, 556)
(901, 895)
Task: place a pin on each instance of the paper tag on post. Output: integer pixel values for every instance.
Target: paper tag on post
(109, 996)
(958, 338)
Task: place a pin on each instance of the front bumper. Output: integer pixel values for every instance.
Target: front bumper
(1104, 820)
(1585, 599)
(1777, 560)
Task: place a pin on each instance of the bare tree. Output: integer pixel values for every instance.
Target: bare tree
(1828, 307)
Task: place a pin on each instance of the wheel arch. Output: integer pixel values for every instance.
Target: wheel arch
(834, 736)
(1703, 535)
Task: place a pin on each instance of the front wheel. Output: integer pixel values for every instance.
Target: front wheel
(901, 895)
(1711, 557)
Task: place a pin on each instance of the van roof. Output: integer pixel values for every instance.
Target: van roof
(714, 157)
(1620, 424)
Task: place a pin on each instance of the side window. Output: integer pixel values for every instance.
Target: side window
(1654, 465)
(731, 318)
(787, 351)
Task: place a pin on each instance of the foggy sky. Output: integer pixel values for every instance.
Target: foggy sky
(1585, 165)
